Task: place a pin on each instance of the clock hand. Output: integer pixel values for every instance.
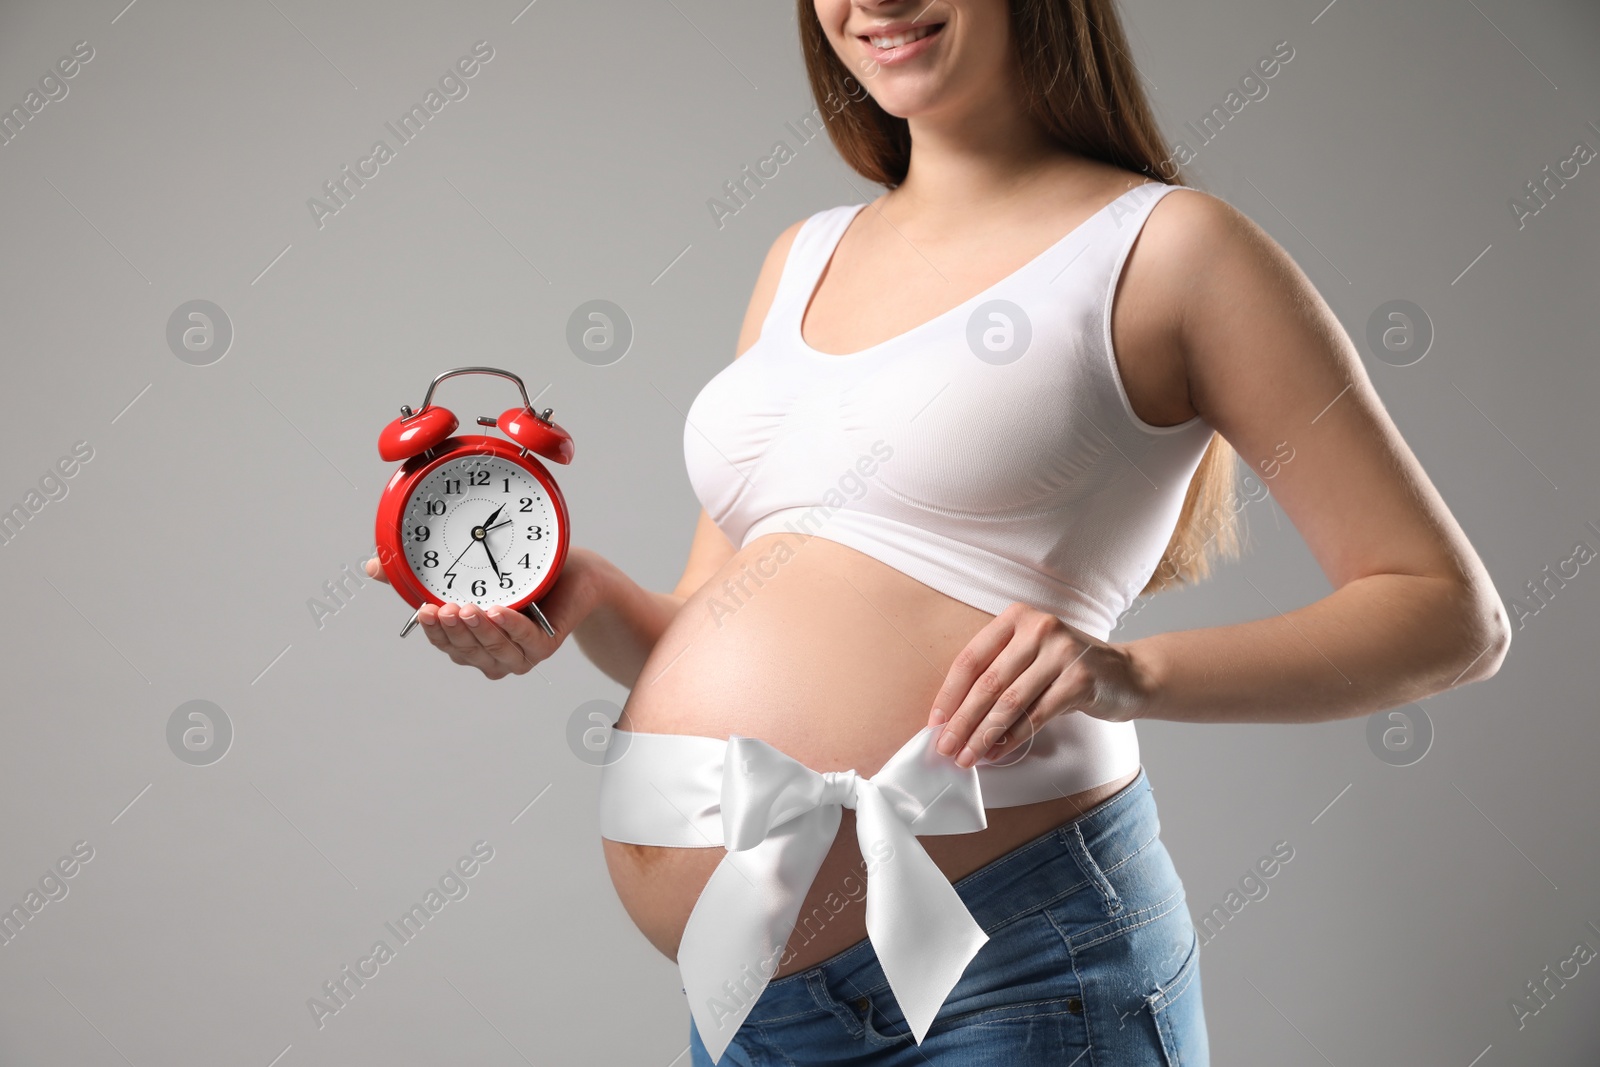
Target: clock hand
(486, 530)
(449, 572)
(544, 624)
(492, 562)
(486, 527)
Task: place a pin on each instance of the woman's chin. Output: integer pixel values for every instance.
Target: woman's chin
(908, 102)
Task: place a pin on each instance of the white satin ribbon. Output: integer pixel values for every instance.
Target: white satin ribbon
(779, 818)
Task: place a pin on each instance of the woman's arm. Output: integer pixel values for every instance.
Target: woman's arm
(625, 620)
(615, 621)
(1412, 611)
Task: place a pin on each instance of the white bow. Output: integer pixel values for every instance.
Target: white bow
(779, 818)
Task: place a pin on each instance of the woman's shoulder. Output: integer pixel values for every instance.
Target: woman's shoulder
(1089, 183)
(767, 280)
(785, 240)
(784, 243)
(1192, 233)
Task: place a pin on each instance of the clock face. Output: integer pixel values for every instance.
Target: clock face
(480, 530)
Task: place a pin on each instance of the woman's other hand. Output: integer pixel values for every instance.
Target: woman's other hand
(1021, 670)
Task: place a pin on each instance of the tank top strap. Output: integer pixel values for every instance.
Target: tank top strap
(813, 245)
(1124, 217)
(1097, 246)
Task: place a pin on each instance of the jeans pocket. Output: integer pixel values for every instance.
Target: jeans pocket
(878, 1030)
(1022, 974)
(1176, 1008)
(1021, 1006)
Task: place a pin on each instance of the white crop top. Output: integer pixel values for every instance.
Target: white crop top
(990, 453)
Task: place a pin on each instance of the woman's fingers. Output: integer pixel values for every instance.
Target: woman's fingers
(1009, 711)
(982, 674)
(496, 640)
(428, 616)
(461, 645)
(457, 640)
(505, 652)
(532, 641)
(1000, 696)
(964, 670)
(1023, 662)
(375, 570)
(455, 629)
(1057, 697)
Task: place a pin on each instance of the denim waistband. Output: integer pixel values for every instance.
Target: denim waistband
(1005, 889)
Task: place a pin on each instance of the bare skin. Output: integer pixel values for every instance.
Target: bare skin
(837, 659)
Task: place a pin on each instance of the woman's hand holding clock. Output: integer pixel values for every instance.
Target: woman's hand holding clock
(1021, 670)
(497, 640)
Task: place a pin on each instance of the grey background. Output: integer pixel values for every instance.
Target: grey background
(1420, 899)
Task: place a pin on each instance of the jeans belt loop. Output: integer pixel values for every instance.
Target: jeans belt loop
(1079, 848)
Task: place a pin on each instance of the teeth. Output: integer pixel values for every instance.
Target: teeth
(901, 38)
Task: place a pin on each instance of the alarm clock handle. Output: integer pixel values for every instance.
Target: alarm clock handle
(495, 371)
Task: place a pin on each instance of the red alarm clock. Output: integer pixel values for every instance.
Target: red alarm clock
(476, 519)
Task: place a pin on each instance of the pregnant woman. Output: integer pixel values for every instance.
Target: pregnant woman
(877, 786)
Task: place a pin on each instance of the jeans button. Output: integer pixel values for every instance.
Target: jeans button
(862, 1003)
(1075, 1005)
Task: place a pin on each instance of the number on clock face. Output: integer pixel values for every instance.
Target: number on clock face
(479, 530)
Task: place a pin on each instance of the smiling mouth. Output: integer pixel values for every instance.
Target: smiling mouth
(899, 39)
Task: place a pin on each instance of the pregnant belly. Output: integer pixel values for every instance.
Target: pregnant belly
(835, 659)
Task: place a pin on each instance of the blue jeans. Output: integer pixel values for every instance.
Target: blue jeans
(1092, 961)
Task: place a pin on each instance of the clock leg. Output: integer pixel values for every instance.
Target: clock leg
(538, 617)
(410, 622)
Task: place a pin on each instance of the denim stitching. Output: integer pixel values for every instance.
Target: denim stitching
(871, 990)
(1042, 839)
(1173, 992)
(795, 1015)
(832, 962)
(1048, 902)
(1147, 843)
(1122, 924)
(774, 1046)
(1126, 795)
(1041, 904)
(894, 1038)
(1015, 1018)
(1167, 997)
(1052, 901)
(1110, 902)
(1073, 951)
(1167, 1040)
(1088, 1028)
(899, 1037)
(825, 999)
(865, 945)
